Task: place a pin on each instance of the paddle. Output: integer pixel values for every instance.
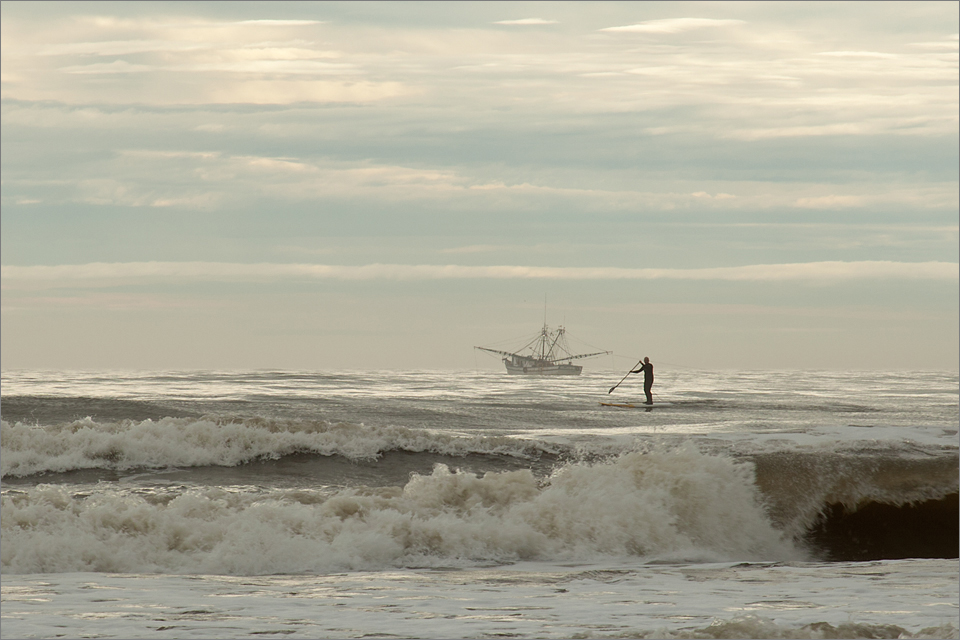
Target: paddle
(625, 377)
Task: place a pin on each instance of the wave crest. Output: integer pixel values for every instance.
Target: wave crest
(193, 442)
(677, 504)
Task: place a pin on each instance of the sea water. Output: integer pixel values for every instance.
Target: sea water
(475, 504)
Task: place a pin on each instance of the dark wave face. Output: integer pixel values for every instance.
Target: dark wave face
(855, 507)
(184, 472)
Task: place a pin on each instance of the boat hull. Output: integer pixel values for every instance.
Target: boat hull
(538, 369)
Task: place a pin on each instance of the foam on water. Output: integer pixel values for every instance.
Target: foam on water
(88, 443)
(189, 442)
(549, 515)
(678, 504)
(620, 599)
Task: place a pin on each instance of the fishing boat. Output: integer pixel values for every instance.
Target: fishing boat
(546, 354)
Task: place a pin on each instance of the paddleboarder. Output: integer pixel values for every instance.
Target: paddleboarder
(647, 370)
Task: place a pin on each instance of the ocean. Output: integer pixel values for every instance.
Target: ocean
(466, 504)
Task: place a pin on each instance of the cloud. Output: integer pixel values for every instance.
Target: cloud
(276, 67)
(267, 51)
(482, 248)
(119, 47)
(949, 46)
(719, 196)
(858, 54)
(102, 300)
(526, 21)
(279, 23)
(280, 92)
(210, 179)
(271, 67)
(117, 66)
(673, 25)
(648, 309)
(951, 43)
(99, 274)
(767, 84)
(832, 202)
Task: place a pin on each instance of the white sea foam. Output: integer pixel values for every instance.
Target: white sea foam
(190, 442)
(675, 504)
(616, 599)
(526, 600)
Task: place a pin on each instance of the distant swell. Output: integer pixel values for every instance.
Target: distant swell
(193, 442)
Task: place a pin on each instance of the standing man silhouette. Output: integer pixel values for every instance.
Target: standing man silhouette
(647, 369)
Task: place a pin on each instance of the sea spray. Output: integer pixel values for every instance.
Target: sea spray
(665, 504)
(191, 442)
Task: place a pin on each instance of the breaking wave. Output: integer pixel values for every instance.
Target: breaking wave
(675, 504)
(838, 505)
(194, 442)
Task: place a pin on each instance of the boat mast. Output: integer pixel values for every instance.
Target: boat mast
(544, 333)
(542, 352)
(556, 339)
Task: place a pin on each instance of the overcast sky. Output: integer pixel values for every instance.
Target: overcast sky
(386, 185)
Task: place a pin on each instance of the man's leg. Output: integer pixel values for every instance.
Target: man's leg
(647, 388)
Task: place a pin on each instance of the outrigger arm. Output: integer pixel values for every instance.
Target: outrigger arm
(587, 355)
(503, 353)
(582, 355)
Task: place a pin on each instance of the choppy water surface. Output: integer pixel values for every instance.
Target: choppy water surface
(341, 504)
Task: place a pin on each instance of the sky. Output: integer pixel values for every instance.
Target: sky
(328, 186)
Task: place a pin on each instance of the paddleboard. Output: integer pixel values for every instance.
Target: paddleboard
(635, 406)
